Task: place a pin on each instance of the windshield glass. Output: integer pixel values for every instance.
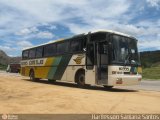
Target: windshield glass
(124, 50)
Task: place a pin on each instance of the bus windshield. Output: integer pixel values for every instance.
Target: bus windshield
(124, 51)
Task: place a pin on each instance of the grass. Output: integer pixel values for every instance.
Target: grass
(3, 67)
(152, 73)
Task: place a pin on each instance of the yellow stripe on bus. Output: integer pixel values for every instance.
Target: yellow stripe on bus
(42, 72)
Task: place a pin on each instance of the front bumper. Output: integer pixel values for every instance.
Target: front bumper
(122, 80)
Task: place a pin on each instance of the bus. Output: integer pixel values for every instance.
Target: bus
(106, 58)
(13, 68)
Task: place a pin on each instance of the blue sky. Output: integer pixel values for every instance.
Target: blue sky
(25, 23)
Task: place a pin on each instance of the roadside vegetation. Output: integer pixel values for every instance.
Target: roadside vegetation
(151, 65)
(3, 67)
(151, 73)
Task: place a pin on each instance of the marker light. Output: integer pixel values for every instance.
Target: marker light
(119, 81)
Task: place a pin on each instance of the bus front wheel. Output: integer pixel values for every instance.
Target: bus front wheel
(81, 79)
(108, 87)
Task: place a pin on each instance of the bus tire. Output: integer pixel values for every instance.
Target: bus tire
(51, 80)
(32, 76)
(107, 87)
(81, 79)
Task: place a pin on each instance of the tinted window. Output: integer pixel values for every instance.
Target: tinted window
(90, 56)
(39, 52)
(62, 47)
(32, 53)
(103, 51)
(50, 50)
(124, 50)
(98, 36)
(25, 54)
(76, 45)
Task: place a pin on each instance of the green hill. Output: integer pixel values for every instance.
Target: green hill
(151, 64)
(150, 58)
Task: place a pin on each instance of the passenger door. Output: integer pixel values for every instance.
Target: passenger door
(102, 62)
(90, 64)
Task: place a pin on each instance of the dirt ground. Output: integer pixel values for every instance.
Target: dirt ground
(20, 95)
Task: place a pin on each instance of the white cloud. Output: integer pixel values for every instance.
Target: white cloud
(21, 17)
(24, 44)
(147, 44)
(125, 28)
(9, 50)
(15, 49)
(45, 34)
(6, 48)
(33, 32)
(32, 12)
(154, 3)
(27, 31)
(52, 27)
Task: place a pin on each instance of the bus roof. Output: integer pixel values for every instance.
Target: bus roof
(111, 31)
(96, 31)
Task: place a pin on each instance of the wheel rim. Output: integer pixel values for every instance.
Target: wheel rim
(82, 79)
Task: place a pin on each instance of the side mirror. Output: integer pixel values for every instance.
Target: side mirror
(84, 49)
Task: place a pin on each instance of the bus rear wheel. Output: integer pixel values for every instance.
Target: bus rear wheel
(32, 76)
(51, 80)
(81, 79)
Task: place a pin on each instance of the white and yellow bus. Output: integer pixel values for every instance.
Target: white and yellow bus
(106, 58)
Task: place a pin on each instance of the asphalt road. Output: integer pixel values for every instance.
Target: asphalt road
(151, 85)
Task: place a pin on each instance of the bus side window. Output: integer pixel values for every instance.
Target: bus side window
(50, 50)
(76, 45)
(62, 47)
(32, 53)
(39, 52)
(25, 54)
